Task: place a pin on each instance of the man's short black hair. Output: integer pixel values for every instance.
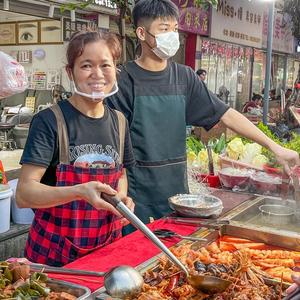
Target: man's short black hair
(154, 9)
(201, 71)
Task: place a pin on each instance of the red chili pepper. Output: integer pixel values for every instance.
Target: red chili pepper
(172, 283)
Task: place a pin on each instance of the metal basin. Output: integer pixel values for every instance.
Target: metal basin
(190, 205)
(276, 214)
(273, 213)
(76, 290)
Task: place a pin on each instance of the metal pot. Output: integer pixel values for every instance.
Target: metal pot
(277, 215)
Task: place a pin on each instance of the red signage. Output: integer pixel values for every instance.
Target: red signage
(192, 17)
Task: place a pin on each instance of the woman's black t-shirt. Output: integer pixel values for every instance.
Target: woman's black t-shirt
(93, 142)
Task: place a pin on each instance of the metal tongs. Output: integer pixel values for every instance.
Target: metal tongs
(295, 179)
(211, 170)
(212, 223)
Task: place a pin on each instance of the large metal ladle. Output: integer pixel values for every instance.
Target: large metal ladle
(120, 282)
(204, 283)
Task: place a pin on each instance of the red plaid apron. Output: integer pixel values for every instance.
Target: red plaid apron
(62, 234)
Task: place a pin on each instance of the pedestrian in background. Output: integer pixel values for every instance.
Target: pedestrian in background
(202, 74)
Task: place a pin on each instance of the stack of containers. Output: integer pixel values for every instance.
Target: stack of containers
(19, 215)
(5, 198)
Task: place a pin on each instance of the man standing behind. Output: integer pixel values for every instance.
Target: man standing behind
(201, 74)
(159, 98)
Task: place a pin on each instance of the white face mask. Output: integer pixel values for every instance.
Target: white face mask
(167, 44)
(95, 96)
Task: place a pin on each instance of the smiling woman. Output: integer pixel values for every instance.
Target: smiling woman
(76, 150)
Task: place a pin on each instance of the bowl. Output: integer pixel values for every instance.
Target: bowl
(276, 214)
(265, 183)
(231, 177)
(210, 180)
(189, 205)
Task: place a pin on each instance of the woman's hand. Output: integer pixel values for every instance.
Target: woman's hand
(286, 157)
(91, 192)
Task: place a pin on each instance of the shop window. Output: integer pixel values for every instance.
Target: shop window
(228, 70)
(278, 62)
(259, 66)
(290, 73)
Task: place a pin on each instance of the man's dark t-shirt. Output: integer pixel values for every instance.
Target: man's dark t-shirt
(92, 141)
(203, 108)
(158, 106)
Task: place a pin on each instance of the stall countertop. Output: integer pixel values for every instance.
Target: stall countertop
(131, 250)
(296, 113)
(135, 248)
(11, 159)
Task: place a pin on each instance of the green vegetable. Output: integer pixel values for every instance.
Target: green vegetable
(39, 276)
(8, 274)
(265, 129)
(33, 293)
(294, 143)
(220, 145)
(193, 144)
(44, 291)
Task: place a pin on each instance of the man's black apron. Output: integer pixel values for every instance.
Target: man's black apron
(158, 133)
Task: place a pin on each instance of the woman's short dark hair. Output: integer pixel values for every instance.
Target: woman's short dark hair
(153, 9)
(201, 71)
(81, 38)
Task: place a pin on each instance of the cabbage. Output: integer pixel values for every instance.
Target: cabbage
(251, 150)
(202, 161)
(235, 148)
(259, 160)
(191, 157)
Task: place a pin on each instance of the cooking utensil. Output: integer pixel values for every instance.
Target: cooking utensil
(284, 188)
(199, 282)
(196, 205)
(213, 223)
(166, 233)
(210, 160)
(276, 214)
(208, 284)
(296, 189)
(119, 282)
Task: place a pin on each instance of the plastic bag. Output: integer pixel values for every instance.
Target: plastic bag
(13, 79)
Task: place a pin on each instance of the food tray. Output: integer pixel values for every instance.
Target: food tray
(257, 235)
(248, 215)
(81, 292)
(101, 294)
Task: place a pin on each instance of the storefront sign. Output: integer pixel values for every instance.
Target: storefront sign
(106, 3)
(107, 6)
(238, 22)
(283, 39)
(192, 18)
(70, 27)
